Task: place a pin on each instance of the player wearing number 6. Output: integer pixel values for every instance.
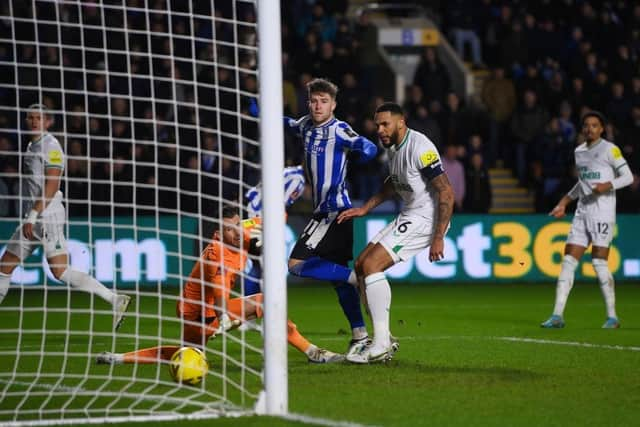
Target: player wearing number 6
(602, 170)
(417, 176)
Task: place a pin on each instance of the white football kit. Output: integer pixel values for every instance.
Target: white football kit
(595, 216)
(411, 165)
(41, 154)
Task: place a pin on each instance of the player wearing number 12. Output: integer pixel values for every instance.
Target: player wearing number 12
(602, 170)
(417, 176)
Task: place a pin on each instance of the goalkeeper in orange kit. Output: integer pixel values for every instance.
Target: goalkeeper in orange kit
(206, 307)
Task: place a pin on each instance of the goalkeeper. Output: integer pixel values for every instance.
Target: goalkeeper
(210, 282)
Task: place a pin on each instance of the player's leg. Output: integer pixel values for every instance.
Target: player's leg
(8, 263)
(77, 279)
(378, 293)
(251, 286)
(55, 249)
(252, 278)
(308, 258)
(572, 255)
(195, 333)
(601, 233)
(18, 249)
(349, 299)
(578, 241)
(599, 257)
(142, 356)
(84, 282)
(399, 241)
(250, 307)
(323, 253)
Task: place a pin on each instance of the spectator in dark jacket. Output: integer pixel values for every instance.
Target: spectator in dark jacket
(527, 123)
(478, 187)
(432, 77)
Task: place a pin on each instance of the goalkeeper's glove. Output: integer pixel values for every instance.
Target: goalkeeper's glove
(255, 240)
(226, 324)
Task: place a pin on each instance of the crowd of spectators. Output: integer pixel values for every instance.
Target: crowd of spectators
(160, 108)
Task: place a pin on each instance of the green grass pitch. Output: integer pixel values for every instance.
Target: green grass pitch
(469, 355)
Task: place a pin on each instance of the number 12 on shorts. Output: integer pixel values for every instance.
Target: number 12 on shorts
(603, 228)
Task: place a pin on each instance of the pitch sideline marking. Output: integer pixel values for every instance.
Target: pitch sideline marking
(509, 339)
(449, 337)
(45, 386)
(567, 343)
(306, 419)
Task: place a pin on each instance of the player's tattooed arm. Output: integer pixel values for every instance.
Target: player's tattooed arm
(444, 190)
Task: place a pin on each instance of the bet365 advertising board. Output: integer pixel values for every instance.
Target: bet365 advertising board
(508, 248)
(484, 248)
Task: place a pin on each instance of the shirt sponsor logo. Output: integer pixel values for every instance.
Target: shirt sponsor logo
(586, 174)
(350, 133)
(399, 185)
(428, 157)
(615, 152)
(55, 157)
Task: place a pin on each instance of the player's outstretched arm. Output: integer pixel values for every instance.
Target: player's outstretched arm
(365, 149)
(294, 126)
(445, 210)
(559, 211)
(384, 194)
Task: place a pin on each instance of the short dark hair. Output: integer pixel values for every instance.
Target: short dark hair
(322, 85)
(391, 107)
(40, 108)
(597, 114)
(228, 211)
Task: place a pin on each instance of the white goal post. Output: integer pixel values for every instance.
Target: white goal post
(166, 111)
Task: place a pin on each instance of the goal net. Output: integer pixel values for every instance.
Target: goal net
(155, 106)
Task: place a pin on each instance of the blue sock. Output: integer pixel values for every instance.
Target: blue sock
(252, 280)
(321, 269)
(350, 302)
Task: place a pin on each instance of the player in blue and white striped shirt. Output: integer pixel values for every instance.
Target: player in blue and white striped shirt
(293, 186)
(325, 247)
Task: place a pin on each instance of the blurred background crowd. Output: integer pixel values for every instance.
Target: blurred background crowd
(161, 109)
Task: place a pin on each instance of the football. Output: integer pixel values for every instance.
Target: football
(188, 366)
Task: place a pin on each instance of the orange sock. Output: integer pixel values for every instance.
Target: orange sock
(294, 337)
(150, 355)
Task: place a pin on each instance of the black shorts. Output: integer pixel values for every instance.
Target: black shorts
(325, 238)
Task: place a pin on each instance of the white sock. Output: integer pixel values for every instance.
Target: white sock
(565, 283)
(353, 279)
(309, 351)
(359, 333)
(379, 297)
(607, 285)
(5, 281)
(86, 283)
